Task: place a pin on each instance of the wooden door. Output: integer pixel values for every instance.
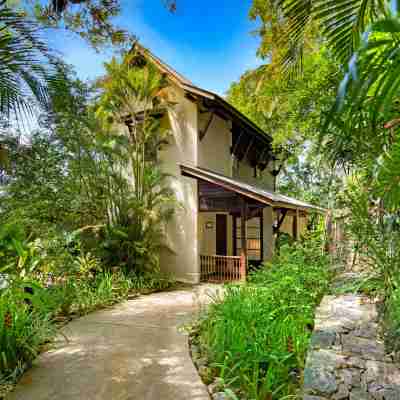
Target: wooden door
(221, 235)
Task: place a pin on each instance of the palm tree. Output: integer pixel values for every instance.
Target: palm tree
(26, 65)
(364, 37)
(133, 94)
(341, 22)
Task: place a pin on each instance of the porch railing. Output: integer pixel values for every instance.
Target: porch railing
(215, 268)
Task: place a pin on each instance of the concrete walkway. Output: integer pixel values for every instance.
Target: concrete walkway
(134, 351)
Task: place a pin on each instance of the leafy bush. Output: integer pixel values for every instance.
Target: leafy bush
(256, 337)
(104, 290)
(392, 321)
(154, 280)
(17, 255)
(22, 328)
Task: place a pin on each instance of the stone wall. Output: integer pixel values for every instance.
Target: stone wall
(346, 359)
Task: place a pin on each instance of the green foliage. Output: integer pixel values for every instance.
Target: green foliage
(392, 321)
(86, 179)
(17, 256)
(289, 110)
(151, 281)
(257, 335)
(27, 65)
(293, 111)
(370, 285)
(298, 22)
(375, 234)
(143, 202)
(84, 296)
(371, 80)
(22, 331)
(388, 174)
(39, 190)
(93, 20)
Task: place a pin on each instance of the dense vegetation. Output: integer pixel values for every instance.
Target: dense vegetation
(256, 337)
(329, 95)
(76, 234)
(82, 205)
(335, 67)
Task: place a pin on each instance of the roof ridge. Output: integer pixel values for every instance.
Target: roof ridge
(190, 87)
(162, 64)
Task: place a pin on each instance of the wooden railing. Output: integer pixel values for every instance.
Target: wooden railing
(215, 268)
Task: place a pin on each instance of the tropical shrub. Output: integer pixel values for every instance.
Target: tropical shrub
(102, 291)
(18, 256)
(374, 232)
(256, 337)
(143, 201)
(23, 327)
(27, 65)
(151, 281)
(392, 321)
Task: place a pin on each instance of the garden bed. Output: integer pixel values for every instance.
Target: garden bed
(252, 343)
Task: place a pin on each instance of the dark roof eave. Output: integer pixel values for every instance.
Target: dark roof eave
(230, 109)
(274, 200)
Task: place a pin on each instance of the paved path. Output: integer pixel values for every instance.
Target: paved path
(134, 351)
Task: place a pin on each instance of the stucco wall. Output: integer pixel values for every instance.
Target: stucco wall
(245, 172)
(215, 147)
(186, 234)
(181, 257)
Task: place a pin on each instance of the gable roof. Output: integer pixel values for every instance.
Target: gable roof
(164, 67)
(212, 98)
(273, 199)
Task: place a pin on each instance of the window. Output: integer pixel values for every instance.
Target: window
(253, 238)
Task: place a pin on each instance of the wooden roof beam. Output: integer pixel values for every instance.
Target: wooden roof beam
(235, 146)
(203, 132)
(248, 149)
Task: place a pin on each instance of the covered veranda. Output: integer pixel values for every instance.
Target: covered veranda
(246, 219)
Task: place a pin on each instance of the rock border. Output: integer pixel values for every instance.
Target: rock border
(347, 358)
(215, 385)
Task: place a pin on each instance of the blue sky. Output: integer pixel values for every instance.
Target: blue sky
(210, 42)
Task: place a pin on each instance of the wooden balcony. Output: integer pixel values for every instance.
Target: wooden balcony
(220, 269)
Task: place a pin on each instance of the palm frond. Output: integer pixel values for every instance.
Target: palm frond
(26, 65)
(374, 74)
(342, 23)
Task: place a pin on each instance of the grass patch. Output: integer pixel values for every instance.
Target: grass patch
(256, 338)
(367, 284)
